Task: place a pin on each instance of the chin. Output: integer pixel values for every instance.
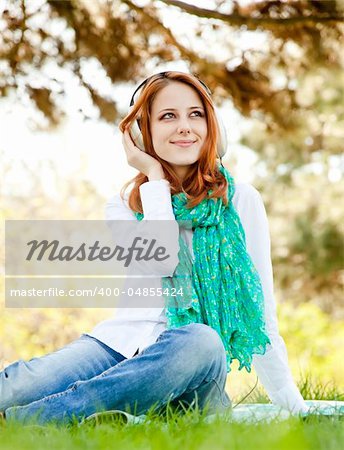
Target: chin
(183, 163)
(183, 160)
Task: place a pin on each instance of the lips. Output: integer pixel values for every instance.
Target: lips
(183, 143)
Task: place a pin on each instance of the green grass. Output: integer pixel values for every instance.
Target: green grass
(180, 433)
(190, 430)
(309, 388)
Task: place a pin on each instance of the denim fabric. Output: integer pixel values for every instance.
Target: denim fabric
(24, 382)
(184, 364)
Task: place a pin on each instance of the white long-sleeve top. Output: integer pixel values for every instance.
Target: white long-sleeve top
(137, 328)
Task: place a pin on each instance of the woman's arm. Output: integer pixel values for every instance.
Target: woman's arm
(156, 201)
(272, 368)
(157, 206)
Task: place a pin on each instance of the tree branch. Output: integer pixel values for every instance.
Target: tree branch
(184, 52)
(238, 19)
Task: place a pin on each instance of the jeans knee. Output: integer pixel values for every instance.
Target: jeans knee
(7, 387)
(205, 337)
(203, 343)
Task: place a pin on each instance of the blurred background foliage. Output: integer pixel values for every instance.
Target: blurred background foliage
(288, 90)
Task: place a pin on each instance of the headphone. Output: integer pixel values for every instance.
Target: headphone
(135, 129)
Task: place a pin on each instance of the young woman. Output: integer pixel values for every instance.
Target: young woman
(147, 357)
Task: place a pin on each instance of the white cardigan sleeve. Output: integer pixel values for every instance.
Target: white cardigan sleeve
(272, 368)
(156, 203)
(157, 206)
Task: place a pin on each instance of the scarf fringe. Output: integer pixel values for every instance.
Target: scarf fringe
(240, 346)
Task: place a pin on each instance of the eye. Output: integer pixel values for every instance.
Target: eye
(167, 114)
(198, 113)
(170, 115)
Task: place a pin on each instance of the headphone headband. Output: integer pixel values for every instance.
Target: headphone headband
(163, 75)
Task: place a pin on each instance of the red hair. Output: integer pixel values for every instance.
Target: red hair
(204, 173)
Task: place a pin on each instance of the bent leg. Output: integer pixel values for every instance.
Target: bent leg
(24, 382)
(181, 361)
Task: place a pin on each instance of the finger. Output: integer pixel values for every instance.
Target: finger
(126, 140)
(129, 146)
(129, 136)
(126, 136)
(123, 142)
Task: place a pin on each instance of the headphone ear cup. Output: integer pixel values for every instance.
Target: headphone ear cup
(136, 136)
(223, 140)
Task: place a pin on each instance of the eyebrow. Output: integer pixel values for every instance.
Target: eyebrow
(173, 109)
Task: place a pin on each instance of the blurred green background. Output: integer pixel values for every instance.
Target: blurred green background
(67, 70)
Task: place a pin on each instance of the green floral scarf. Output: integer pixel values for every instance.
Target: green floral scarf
(220, 287)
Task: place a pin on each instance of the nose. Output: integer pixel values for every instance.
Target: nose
(183, 126)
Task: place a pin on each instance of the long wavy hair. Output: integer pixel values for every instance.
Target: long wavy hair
(204, 174)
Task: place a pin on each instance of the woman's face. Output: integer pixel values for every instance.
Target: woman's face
(178, 126)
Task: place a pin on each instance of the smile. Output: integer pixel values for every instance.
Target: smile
(183, 143)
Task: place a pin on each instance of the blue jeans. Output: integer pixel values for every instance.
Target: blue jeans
(86, 376)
